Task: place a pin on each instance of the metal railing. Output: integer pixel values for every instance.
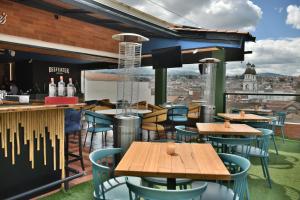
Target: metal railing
(25, 195)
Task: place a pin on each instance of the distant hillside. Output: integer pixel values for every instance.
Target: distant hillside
(268, 74)
(146, 71)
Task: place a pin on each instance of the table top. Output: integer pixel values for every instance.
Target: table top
(199, 101)
(219, 129)
(257, 110)
(247, 117)
(193, 161)
(119, 111)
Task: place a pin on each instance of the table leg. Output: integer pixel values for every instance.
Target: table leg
(171, 183)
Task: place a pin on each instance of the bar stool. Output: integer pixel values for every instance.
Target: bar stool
(73, 126)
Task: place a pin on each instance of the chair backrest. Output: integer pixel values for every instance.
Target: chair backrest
(178, 110)
(72, 120)
(264, 140)
(158, 194)
(238, 167)
(228, 145)
(156, 116)
(97, 118)
(235, 110)
(259, 124)
(185, 134)
(103, 165)
(218, 119)
(194, 110)
(140, 105)
(281, 117)
(154, 108)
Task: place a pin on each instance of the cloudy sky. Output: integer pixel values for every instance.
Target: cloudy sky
(275, 24)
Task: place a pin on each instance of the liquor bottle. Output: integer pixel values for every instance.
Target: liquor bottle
(70, 88)
(52, 88)
(61, 87)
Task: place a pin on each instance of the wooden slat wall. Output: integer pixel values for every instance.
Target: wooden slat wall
(34, 124)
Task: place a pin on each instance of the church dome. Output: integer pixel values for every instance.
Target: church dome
(250, 69)
(253, 69)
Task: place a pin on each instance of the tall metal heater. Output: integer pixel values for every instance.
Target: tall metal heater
(209, 70)
(127, 124)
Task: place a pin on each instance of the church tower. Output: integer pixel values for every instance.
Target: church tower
(249, 82)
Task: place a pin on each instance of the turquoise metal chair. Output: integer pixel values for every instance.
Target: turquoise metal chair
(279, 123)
(218, 119)
(261, 151)
(97, 123)
(229, 145)
(186, 134)
(137, 192)
(106, 185)
(235, 110)
(238, 168)
(178, 115)
(266, 125)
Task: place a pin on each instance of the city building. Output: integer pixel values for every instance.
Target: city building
(250, 82)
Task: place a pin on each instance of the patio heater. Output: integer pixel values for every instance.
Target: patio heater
(209, 71)
(127, 123)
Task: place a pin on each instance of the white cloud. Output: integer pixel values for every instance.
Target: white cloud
(221, 14)
(293, 16)
(276, 56)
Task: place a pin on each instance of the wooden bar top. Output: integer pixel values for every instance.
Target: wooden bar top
(246, 117)
(194, 161)
(220, 129)
(29, 107)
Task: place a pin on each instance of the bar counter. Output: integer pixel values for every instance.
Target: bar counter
(32, 146)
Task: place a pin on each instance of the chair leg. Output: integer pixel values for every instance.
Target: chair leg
(85, 138)
(91, 145)
(267, 172)
(148, 135)
(247, 191)
(105, 136)
(80, 150)
(263, 167)
(158, 136)
(282, 133)
(273, 138)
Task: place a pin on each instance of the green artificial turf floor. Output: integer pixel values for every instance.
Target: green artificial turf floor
(284, 170)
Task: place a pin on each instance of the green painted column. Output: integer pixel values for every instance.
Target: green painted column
(160, 86)
(220, 80)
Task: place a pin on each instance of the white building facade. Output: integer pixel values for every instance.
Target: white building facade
(250, 82)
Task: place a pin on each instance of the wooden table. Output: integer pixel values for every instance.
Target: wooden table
(199, 101)
(257, 111)
(193, 161)
(247, 117)
(219, 129)
(119, 111)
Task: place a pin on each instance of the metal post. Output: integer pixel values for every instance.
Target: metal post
(160, 86)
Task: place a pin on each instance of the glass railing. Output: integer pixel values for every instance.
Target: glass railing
(273, 102)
